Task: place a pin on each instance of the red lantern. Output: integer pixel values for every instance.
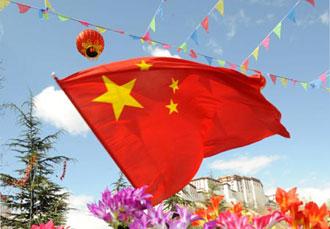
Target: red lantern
(90, 43)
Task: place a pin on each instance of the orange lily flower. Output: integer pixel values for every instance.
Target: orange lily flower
(315, 216)
(287, 199)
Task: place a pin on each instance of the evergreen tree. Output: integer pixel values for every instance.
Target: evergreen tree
(120, 183)
(33, 197)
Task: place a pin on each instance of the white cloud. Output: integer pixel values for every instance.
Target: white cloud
(325, 18)
(244, 165)
(156, 51)
(79, 217)
(54, 107)
(216, 48)
(316, 194)
(233, 21)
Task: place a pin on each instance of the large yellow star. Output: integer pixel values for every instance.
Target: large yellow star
(172, 107)
(118, 95)
(144, 66)
(174, 85)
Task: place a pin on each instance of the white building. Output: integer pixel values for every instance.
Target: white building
(247, 190)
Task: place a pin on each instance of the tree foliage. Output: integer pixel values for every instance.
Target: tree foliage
(32, 198)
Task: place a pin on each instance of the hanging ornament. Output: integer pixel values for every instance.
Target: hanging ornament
(64, 170)
(90, 43)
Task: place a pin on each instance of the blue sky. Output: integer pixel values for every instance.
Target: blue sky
(32, 48)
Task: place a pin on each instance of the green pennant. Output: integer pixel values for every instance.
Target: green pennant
(277, 30)
(304, 85)
(221, 63)
(153, 24)
(184, 47)
(62, 18)
(100, 29)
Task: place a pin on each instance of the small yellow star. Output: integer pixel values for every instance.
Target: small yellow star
(144, 66)
(174, 85)
(172, 107)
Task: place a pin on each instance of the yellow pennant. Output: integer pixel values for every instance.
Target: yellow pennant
(100, 29)
(304, 85)
(255, 53)
(284, 81)
(220, 7)
(4, 4)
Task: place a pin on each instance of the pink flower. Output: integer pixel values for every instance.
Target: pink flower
(49, 225)
(267, 221)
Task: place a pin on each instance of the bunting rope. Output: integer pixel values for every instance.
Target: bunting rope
(43, 13)
(152, 24)
(276, 30)
(219, 5)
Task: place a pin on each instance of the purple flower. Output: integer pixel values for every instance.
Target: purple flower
(267, 221)
(183, 218)
(228, 220)
(121, 207)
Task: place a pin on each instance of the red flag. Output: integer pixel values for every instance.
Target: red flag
(192, 54)
(205, 23)
(312, 2)
(159, 117)
(22, 8)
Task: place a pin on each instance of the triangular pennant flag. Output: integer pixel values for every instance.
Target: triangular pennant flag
(245, 65)
(100, 29)
(84, 23)
(183, 47)
(294, 82)
(153, 24)
(328, 89)
(40, 13)
(273, 78)
(146, 38)
(304, 85)
(62, 18)
(255, 53)
(323, 79)
(4, 4)
(192, 54)
(277, 30)
(312, 2)
(220, 7)
(134, 37)
(194, 37)
(315, 83)
(45, 16)
(209, 59)
(205, 24)
(265, 42)
(166, 46)
(48, 5)
(23, 8)
(221, 63)
(284, 81)
(232, 66)
(292, 15)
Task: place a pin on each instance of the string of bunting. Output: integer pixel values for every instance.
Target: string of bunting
(152, 25)
(277, 30)
(219, 7)
(320, 82)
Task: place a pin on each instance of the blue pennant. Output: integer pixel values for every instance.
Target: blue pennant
(134, 37)
(209, 59)
(292, 16)
(194, 37)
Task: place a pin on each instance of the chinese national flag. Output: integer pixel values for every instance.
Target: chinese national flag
(159, 117)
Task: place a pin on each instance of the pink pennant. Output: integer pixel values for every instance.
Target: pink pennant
(273, 78)
(205, 23)
(312, 2)
(192, 54)
(22, 8)
(323, 78)
(294, 82)
(120, 31)
(166, 46)
(232, 66)
(84, 23)
(246, 64)
(146, 37)
(265, 42)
